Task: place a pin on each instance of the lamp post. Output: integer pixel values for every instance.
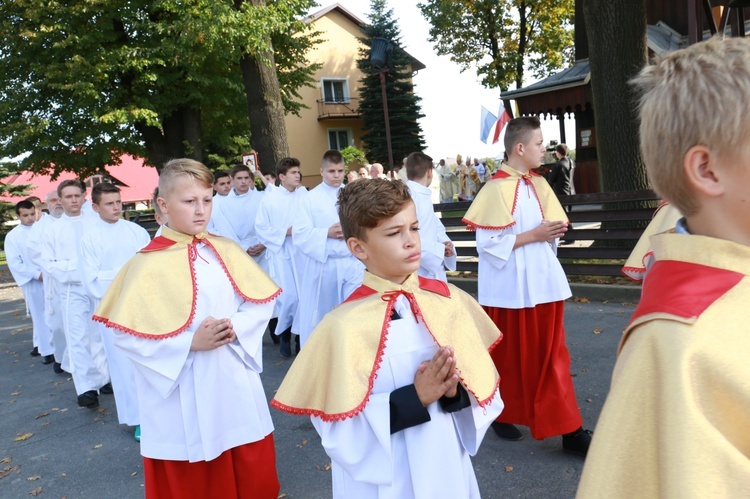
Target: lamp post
(380, 60)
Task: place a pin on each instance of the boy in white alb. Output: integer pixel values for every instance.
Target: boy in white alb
(88, 361)
(522, 286)
(239, 210)
(108, 245)
(380, 374)
(29, 278)
(273, 226)
(330, 273)
(189, 311)
(438, 252)
(52, 304)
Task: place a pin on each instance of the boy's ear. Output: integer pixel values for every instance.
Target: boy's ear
(95, 207)
(699, 166)
(356, 248)
(162, 205)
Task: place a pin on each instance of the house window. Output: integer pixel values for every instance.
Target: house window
(335, 90)
(339, 138)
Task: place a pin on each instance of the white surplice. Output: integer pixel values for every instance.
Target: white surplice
(88, 362)
(276, 214)
(238, 224)
(504, 279)
(52, 290)
(426, 461)
(105, 248)
(218, 223)
(330, 272)
(27, 275)
(194, 405)
(432, 234)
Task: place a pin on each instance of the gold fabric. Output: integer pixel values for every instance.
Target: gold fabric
(333, 375)
(154, 294)
(664, 219)
(675, 423)
(495, 204)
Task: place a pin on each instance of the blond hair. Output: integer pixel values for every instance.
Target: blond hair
(183, 167)
(699, 95)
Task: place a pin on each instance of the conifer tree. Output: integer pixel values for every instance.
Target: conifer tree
(403, 104)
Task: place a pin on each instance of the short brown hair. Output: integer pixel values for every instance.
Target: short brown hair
(519, 130)
(241, 168)
(102, 188)
(332, 157)
(73, 182)
(417, 165)
(698, 95)
(562, 149)
(183, 167)
(365, 203)
(285, 164)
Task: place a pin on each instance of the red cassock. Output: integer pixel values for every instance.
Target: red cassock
(534, 367)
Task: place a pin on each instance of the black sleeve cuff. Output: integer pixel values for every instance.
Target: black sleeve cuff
(406, 409)
(455, 404)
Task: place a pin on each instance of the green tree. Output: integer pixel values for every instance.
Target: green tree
(84, 82)
(403, 104)
(503, 38)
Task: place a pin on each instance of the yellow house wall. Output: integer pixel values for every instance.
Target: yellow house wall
(308, 137)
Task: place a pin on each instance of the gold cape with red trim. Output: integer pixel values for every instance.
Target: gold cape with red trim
(675, 420)
(154, 294)
(334, 373)
(664, 220)
(495, 205)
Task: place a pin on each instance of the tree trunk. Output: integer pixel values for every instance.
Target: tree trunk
(617, 51)
(179, 137)
(265, 110)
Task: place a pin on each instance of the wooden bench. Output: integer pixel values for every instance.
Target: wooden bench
(147, 220)
(606, 228)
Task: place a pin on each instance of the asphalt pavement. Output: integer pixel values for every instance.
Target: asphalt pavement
(50, 447)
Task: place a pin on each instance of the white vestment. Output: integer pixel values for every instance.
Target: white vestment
(238, 224)
(428, 461)
(276, 214)
(330, 273)
(26, 273)
(432, 234)
(504, 279)
(53, 315)
(194, 405)
(218, 223)
(105, 248)
(88, 362)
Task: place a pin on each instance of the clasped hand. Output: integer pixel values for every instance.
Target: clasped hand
(437, 377)
(213, 333)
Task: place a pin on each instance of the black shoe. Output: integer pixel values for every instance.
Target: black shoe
(57, 367)
(35, 352)
(48, 359)
(276, 340)
(107, 389)
(285, 349)
(577, 442)
(296, 344)
(88, 399)
(506, 431)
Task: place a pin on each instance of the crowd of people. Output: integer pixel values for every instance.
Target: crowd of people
(400, 372)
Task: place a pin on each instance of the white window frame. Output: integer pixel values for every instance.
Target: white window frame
(345, 83)
(349, 137)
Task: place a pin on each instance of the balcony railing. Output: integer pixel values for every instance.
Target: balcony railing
(332, 110)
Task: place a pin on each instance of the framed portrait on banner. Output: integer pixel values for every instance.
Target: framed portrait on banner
(251, 160)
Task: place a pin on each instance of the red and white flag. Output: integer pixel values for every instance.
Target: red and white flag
(501, 122)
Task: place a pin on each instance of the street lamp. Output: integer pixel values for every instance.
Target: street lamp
(381, 52)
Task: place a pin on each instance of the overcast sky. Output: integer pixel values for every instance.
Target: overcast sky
(451, 101)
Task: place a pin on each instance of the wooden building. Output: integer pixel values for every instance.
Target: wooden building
(672, 24)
